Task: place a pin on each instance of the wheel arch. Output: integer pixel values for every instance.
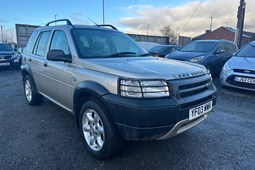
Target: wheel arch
(85, 91)
(26, 70)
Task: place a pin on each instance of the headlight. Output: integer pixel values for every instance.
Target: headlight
(16, 57)
(196, 59)
(208, 72)
(144, 88)
(226, 67)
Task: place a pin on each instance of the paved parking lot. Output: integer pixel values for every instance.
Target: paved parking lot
(46, 137)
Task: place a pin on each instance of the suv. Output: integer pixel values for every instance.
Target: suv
(113, 87)
(8, 57)
(213, 54)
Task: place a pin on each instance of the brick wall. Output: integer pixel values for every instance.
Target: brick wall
(223, 33)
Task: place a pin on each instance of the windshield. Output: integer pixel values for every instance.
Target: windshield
(200, 46)
(5, 47)
(247, 51)
(95, 43)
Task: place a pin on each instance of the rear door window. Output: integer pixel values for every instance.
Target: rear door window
(42, 43)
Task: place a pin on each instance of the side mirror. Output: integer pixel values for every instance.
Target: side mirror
(58, 55)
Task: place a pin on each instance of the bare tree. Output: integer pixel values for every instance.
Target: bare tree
(6, 38)
(169, 32)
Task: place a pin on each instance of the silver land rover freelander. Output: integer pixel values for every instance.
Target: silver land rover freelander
(115, 89)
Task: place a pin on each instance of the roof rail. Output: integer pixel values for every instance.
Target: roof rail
(107, 25)
(68, 22)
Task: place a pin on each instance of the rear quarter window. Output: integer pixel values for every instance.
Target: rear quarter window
(29, 47)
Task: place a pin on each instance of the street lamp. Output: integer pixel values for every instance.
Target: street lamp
(148, 29)
(103, 11)
(55, 19)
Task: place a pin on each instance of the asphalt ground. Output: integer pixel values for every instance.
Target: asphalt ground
(46, 136)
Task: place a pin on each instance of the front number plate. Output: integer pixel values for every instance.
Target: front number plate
(200, 110)
(245, 80)
(4, 64)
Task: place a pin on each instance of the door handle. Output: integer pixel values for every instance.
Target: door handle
(29, 59)
(45, 64)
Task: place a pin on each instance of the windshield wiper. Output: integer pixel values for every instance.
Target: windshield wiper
(121, 54)
(145, 54)
(189, 51)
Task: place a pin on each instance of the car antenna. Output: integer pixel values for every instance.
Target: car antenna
(93, 21)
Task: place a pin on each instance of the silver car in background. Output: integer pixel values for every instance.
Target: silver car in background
(239, 71)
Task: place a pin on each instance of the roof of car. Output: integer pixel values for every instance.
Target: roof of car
(167, 45)
(76, 26)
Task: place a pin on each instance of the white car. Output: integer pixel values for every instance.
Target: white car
(239, 71)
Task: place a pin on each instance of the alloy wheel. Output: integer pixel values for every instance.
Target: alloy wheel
(93, 130)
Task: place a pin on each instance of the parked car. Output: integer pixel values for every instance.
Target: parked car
(8, 57)
(113, 87)
(163, 50)
(147, 45)
(239, 71)
(213, 54)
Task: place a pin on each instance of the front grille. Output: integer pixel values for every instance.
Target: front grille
(195, 88)
(6, 57)
(244, 71)
(230, 80)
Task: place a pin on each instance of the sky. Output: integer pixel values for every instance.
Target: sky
(129, 16)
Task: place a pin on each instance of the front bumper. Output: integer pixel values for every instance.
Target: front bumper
(13, 62)
(155, 118)
(227, 79)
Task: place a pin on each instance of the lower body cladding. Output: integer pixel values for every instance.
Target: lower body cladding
(158, 119)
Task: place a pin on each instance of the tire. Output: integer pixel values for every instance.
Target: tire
(32, 96)
(98, 131)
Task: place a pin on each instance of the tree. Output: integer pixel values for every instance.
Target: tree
(169, 32)
(6, 39)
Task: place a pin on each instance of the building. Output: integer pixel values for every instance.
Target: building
(226, 33)
(150, 38)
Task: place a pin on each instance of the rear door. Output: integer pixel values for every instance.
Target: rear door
(58, 75)
(36, 57)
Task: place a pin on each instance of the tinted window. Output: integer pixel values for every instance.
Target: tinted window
(200, 46)
(93, 43)
(247, 51)
(158, 48)
(29, 47)
(5, 47)
(227, 47)
(232, 47)
(41, 45)
(222, 46)
(171, 49)
(59, 42)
